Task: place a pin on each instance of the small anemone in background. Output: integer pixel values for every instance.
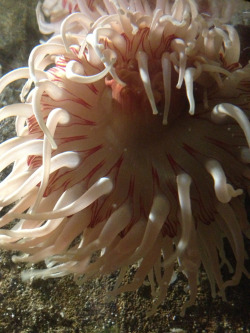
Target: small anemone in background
(132, 145)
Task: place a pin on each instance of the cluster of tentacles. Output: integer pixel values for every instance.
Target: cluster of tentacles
(132, 146)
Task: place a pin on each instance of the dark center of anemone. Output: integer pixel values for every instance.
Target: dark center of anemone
(129, 117)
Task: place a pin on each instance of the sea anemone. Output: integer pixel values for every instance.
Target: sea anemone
(132, 146)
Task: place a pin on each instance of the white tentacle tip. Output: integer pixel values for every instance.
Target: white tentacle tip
(223, 191)
(220, 111)
(106, 183)
(245, 155)
(159, 210)
(183, 179)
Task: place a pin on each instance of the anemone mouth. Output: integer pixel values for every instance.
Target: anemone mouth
(130, 139)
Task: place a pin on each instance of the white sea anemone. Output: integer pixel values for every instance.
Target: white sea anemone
(132, 145)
